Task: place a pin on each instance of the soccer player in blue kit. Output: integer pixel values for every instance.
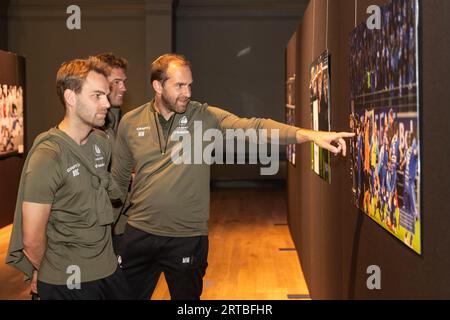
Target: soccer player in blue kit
(383, 168)
(409, 194)
(394, 158)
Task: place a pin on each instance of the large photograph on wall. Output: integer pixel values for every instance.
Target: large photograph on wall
(12, 86)
(319, 87)
(290, 115)
(385, 117)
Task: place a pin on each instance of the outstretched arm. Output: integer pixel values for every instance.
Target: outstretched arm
(332, 141)
(288, 134)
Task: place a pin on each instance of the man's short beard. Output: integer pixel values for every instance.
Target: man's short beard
(93, 123)
(169, 105)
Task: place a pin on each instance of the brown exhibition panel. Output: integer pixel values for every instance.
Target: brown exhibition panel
(12, 74)
(291, 53)
(10, 169)
(336, 242)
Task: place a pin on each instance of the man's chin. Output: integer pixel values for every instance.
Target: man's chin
(182, 108)
(99, 123)
(116, 104)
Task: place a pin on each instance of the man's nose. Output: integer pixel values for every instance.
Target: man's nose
(106, 103)
(187, 91)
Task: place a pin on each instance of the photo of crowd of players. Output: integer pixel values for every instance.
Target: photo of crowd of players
(290, 120)
(11, 119)
(385, 118)
(320, 110)
(290, 116)
(385, 59)
(385, 161)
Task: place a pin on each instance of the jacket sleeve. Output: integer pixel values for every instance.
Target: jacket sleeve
(122, 162)
(227, 120)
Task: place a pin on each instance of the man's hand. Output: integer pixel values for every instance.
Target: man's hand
(34, 237)
(326, 140)
(34, 282)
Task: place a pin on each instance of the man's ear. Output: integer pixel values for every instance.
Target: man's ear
(70, 97)
(157, 86)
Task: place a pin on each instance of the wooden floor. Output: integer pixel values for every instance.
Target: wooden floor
(248, 227)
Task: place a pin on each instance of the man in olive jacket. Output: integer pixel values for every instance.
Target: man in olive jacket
(167, 228)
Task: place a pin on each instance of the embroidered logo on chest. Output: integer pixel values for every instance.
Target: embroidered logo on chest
(183, 122)
(75, 170)
(98, 157)
(182, 126)
(141, 131)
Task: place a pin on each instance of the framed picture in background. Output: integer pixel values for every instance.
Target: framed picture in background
(12, 104)
(319, 88)
(385, 116)
(290, 115)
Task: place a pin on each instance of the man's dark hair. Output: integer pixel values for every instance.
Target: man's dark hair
(111, 60)
(158, 68)
(72, 74)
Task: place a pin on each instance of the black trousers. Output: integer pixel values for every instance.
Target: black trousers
(183, 260)
(114, 287)
(117, 240)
